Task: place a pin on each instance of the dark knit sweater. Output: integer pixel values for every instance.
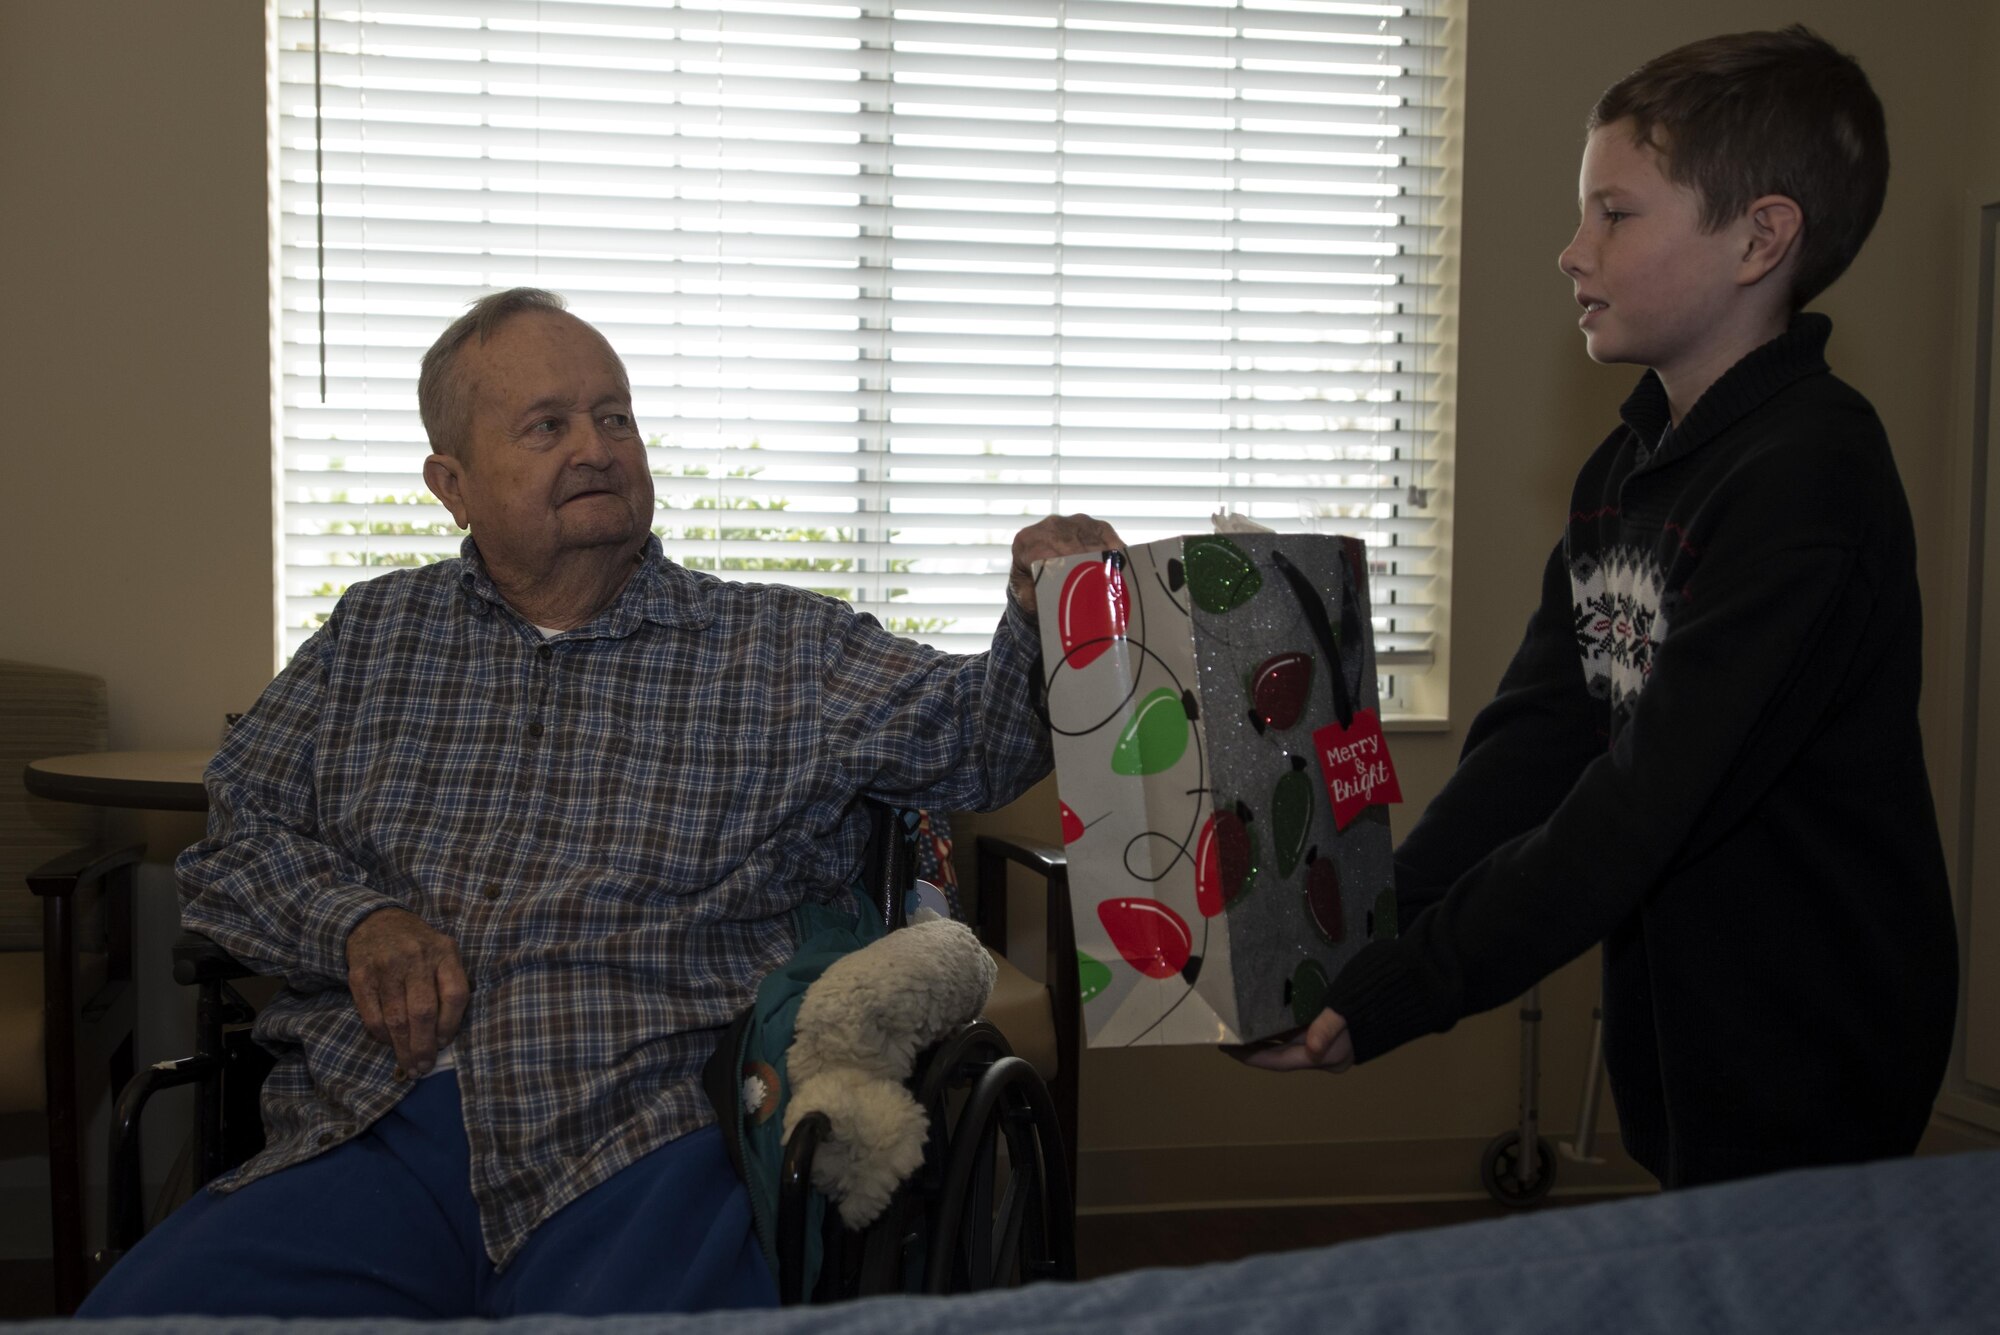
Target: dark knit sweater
(1705, 756)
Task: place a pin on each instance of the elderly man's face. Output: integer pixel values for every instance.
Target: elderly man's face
(554, 463)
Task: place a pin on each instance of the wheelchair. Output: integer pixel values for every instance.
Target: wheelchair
(989, 1206)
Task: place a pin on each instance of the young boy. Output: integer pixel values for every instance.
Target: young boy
(1705, 753)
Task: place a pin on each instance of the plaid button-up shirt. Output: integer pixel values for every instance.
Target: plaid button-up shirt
(613, 825)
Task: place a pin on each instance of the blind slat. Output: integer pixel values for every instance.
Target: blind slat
(403, 149)
(878, 74)
(378, 338)
(1011, 244)
(916, 204)
(1072, 435)
(527, 27)
(683, 129)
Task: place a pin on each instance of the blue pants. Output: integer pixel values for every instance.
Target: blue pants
(385, 1226)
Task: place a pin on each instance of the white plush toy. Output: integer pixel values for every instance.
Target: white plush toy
(859, 1029)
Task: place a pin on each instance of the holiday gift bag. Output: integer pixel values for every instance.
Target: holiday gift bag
(1220, 760)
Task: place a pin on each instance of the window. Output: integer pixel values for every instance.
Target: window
(890, 282)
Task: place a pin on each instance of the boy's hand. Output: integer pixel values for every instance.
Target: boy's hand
(1325, 1044)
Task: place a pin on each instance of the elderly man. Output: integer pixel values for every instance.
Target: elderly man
(522, 831)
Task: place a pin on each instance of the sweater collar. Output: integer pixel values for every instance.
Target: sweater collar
(659, 591)
(1793, 355)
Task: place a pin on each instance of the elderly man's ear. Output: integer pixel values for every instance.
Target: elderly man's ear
(442, 474)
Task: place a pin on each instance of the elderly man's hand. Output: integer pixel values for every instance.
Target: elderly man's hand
(408, 985)
(1325, 1044)
(1058, 535)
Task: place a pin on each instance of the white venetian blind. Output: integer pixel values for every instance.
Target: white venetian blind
(890, 282)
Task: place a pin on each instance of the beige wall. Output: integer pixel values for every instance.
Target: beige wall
(134, 500)
(1973, 1090)
(135, 509)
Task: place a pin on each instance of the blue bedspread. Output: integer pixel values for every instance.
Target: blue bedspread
(1905, 1246)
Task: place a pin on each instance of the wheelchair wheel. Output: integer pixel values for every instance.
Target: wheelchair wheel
(1001, 1215)
(989, 1206)
(1509, 1179)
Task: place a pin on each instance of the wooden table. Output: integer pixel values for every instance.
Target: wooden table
(145, 781)
(141, 780)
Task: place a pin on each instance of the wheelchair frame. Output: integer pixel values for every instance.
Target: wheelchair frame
(967, 1219)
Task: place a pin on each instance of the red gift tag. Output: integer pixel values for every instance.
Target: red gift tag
(1355, 763)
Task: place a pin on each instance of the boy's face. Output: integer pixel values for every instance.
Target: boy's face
(1656, 289)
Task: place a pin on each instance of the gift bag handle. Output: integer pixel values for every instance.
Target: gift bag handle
(1314, 606)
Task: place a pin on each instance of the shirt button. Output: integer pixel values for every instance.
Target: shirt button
(546, 652)
(491, 892)
(325, 1138)
(400, 1074)
(534, 729)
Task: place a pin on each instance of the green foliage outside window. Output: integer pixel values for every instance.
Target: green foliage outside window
(679, 535)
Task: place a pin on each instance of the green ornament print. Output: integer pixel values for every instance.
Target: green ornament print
(1220, 576)
(1382, 922)
(1154, 737)
(1291, 815)
(1092, 976)
(1308, 991)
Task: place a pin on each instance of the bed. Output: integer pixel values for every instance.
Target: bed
(1905, 1246)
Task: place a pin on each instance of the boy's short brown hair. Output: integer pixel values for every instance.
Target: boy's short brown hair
(1757, 113)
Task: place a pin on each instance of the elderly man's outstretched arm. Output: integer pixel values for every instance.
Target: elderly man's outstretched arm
(951, 732)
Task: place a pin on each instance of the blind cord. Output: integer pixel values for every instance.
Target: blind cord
(319, 201)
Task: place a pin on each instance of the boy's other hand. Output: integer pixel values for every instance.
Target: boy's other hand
(1325, 1044)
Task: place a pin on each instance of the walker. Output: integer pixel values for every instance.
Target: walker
(1504, 1168)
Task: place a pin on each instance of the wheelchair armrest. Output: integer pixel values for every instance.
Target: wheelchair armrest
(1059, 962)
(1045, 860)
(60, 876)
(199, 960)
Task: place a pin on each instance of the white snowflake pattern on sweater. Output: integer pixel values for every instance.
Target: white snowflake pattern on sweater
(1620, 620)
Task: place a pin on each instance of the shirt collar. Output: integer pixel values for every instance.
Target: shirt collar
(1793, 355)
(659, 591)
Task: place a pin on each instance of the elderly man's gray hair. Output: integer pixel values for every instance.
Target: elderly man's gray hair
(444, 400)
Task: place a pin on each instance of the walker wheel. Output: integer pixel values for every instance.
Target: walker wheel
(1508, 1180)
